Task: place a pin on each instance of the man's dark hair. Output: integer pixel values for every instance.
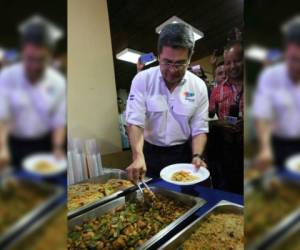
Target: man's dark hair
(37, 34)
(176, 35)
(291, 31)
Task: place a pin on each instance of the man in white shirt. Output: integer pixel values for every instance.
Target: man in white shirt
(32, 101)
(276, 106)
(167, 106)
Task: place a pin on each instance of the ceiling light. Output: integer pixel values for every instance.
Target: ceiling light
(129, 55)
(174, 19)
(256, 53)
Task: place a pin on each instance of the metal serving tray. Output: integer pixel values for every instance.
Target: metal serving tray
(108, 174)
(282, 224)
(24, 222)
(222, 207)
(290, 232)
(194, 202)
(35, 226)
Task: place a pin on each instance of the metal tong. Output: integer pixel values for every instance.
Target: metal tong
(142, 182)
(5, 177)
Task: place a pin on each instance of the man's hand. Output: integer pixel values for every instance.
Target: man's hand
(213, 59)
(264, 159)
(58, 153)
(230, 128)
(4, 158)
(137, 169)
(198, 162)
(139, 66)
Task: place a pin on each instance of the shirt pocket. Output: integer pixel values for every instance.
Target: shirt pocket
(20, 101)
(187, 110)
(283, 102)
(156, 104)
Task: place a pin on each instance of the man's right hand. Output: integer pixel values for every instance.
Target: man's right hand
(137, 169)
(4, 158)
(264, 159)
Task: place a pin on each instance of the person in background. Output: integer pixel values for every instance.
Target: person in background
(227, 98)
(139, 66)
(234, 34)
(276, 104)
(227, 101)
(219, 74)
(32, 101)
(122, 124)
(167, 106)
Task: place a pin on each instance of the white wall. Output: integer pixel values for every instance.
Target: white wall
(92, 98)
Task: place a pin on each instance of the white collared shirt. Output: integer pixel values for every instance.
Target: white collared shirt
(33, 110)
(277, 99)
(167, 118)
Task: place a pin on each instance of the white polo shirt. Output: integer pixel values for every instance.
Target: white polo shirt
(33, 110)
(167, 118)
(277, 99)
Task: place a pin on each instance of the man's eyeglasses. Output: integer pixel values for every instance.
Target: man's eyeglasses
(174, 65)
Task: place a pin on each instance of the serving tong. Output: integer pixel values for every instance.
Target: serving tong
(152, 195)
(5, 178)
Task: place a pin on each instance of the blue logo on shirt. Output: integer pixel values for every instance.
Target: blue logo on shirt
(51, 90)
(189, 96)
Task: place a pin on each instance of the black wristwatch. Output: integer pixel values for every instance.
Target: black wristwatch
(197, 155)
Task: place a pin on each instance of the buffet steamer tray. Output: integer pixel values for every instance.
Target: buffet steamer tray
(35, 226)
(13, 232)
(221, 207)
(267, 238)
(193, 202)
(290, 232)
(108, 174)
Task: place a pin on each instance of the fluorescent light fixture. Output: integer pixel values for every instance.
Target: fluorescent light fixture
(129, 55)
(174, 19)
(256, 53)
(2, 53)
(55, 32)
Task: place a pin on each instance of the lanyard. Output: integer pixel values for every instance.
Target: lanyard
(237, 97)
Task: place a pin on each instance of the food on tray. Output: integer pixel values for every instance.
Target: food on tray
(218, 231)
(19, 199)
(252, 173)
(85, 193)
(183, 176)
(44, 167)
(291, 243)
(265, 208)
(128, 226)
(53, 235)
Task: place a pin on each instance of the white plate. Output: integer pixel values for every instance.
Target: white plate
(60, 166)
(167, 172)
(293, 163)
